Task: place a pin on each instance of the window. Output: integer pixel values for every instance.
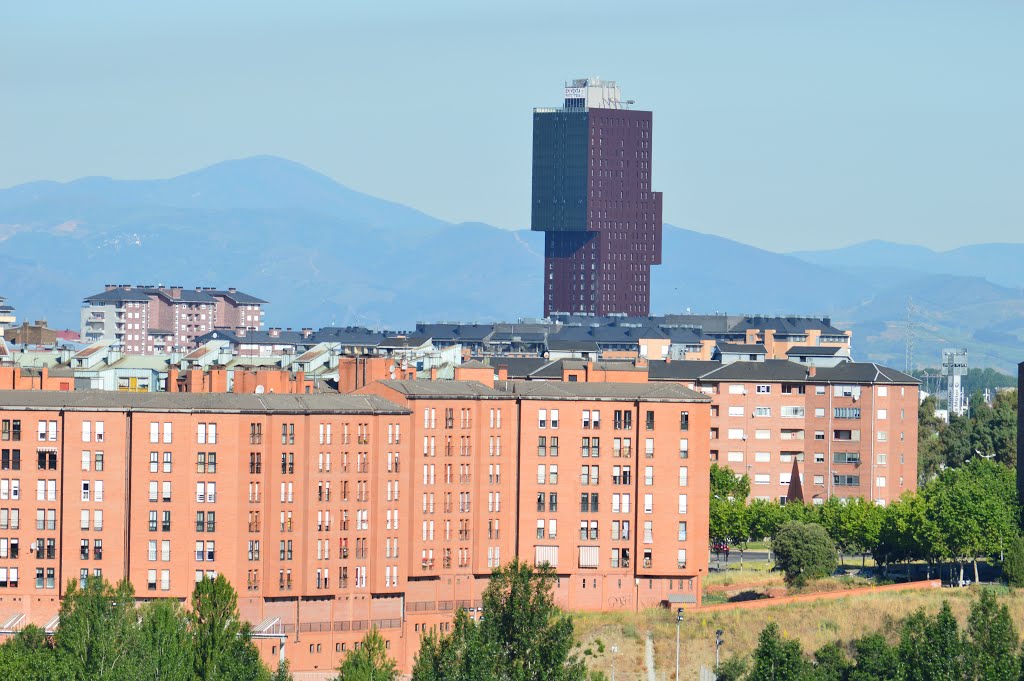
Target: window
(846, 412)
(819, 479)
(684, 420)
(735, 411)
(542, 418)
(762, 457)
(762, 478)
(762, 411)
(736, 434)
(883, 414)
(649, 421)
(762, 434)
(880, 481)
(542, 446)
(764, 389)
(682, 530)
(846, 480)
(682, 503)
(791, 412)
(846, 457)
(648, 503)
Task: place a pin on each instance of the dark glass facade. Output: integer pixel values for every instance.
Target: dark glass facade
(592, 198)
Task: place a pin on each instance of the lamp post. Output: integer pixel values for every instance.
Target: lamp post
(718, 644)
(679, 622)
(615, 650)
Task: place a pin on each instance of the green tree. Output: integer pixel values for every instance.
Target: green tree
(776, 658)
(830, 664)
(931, 648)
(28, 656)
(732, 669)
(1013, 563)
(865, 522)
(874, 659)
(975, 510)
(992, 640)
(283, 672)
(804, 552)
(462, 655)
(531, 637)
(725, 483)
(523, 635)
(223, 648)
(368, 662)
(165, 641)
(930, 454)
(99, 635)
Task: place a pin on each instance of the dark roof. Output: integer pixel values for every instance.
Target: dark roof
(861, 372)
(570, 345)
(203, 402)
(475, 364)
(187, 295)
(554, 390)
(776, 370)
(788, 325)
(403, 341)
(443, 390)
(239, 298)
(118, 295)
(742, 348)
(768, 370)
(456, 333)
(518, 367)
(680, 370)
(812, 351)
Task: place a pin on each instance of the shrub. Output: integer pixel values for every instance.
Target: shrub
(804, 552)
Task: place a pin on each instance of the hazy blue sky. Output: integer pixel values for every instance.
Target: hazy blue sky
(782, 124)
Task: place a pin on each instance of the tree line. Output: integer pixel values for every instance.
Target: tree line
(959, 516)
(922, 647)
(104, 636)
(989, 431)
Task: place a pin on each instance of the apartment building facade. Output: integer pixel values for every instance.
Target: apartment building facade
(334, 513)
(851, 428)
(613, 491)
(150, 320)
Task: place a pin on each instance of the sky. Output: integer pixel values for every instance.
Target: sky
(786, 125)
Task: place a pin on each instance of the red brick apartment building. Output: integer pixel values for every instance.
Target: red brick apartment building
(851, 428)
(334, 513)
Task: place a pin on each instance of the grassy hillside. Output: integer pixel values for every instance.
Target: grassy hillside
(814, 624)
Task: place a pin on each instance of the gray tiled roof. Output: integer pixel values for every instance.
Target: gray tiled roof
(680, 370)
(742, 348)
(204, 402)
(443, 390)
(554, 390)
(813, 351)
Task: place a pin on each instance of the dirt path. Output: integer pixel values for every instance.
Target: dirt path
(649, 656)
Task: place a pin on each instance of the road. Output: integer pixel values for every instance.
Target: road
(733, 558)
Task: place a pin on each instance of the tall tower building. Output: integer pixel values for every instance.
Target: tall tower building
(592, 198)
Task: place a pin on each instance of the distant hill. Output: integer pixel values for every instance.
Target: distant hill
(325, 254)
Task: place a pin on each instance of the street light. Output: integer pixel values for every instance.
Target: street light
(679, 622)
(615, 650)
(718, 644)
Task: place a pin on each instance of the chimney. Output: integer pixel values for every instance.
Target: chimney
(811, 371)
(232, 289)
(172, 379)
(503, 372)
(433, 373)
(275, 332)
(240, 332)
(307, 332)
(199, 289)
(175, 292)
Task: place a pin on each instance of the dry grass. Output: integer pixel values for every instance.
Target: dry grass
(814, 624)
(748, 575)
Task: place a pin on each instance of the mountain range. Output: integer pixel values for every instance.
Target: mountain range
(324, 254)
